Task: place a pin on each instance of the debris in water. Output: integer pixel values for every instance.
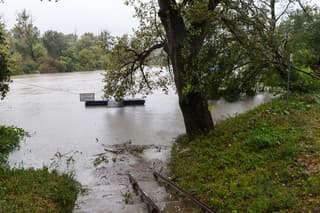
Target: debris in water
(100, 159)
(112, 151)
(128, 197)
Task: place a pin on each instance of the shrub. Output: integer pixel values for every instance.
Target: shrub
(50, 65)
(29, 67)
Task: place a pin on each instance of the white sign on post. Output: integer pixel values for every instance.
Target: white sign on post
(86, 97)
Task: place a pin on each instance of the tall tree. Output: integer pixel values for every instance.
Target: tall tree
(304, 39)
(26, 35)
(182, 31)
(238, 40)
(55, 43)
(105, 40)
(187, 26)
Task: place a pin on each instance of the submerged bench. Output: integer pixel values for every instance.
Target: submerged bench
(133, 102)
(125, 102)
(96, 103)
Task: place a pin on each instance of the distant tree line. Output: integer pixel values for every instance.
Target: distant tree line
(31, 52)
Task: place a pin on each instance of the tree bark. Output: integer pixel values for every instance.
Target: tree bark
(196, 115)
(194, 105)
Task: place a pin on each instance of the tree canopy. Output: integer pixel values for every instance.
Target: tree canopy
(28, 36)
(214, 48)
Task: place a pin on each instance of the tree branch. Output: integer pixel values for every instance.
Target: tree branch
(307, 73)
(284, 11)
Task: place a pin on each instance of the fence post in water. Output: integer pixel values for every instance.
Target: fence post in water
(288, 84)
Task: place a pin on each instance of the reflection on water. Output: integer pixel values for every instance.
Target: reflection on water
(67, 136)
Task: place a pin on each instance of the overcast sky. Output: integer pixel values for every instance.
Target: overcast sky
(78, 16)
(71, 16)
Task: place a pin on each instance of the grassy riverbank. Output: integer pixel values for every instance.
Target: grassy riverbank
(29, 190)
(263, 161)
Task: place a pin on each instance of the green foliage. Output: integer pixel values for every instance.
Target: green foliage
(37, 191)
(299, 82)
(16, 64)
(126, 75)
(29, 66)
(54, 51)
(55, 43)
(26, 36)
(264, 136)
(51, 65)
(304, 40)
(305, 84)
(247, 42)
(4, 63)
(256, 162)
(312, 185)
(138, 62)
(9, 140)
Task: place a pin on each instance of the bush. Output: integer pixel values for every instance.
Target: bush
(16, 62)
(29, 67)
(305, 84)
(50, 65)
(37, 191)
(29, 190)
(9, 138)
(299, 83)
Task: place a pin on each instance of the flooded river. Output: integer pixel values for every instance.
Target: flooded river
(67, 136)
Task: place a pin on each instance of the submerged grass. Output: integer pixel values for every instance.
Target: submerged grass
(267, 160)
(29, 190)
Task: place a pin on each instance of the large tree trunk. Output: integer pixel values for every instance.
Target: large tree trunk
(196, 115)
(193, 105)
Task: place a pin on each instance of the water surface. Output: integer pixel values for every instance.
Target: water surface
(69, 137)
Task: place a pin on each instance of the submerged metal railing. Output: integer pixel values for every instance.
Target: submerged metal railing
(169, 183)
(152, 207)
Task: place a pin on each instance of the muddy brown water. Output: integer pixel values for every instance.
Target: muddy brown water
(67, 136)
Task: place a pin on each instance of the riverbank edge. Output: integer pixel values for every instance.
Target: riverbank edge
(30, 190)
(265, 160)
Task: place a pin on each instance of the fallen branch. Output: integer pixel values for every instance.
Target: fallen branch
(112, 151)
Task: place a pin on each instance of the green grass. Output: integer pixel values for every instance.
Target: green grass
(29, 190)
(267, 160)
